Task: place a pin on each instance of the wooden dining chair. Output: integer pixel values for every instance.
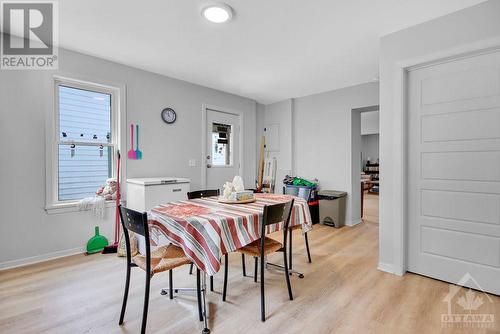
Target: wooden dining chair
(290, 252)
(264, 246)
(161, 259)
(202, 194)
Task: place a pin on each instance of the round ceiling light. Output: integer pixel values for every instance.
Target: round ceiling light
(217, 13)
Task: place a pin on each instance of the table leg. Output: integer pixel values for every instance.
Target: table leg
(243, 264)
(204, 289)
(255, 269)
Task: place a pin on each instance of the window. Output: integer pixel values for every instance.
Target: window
(221, 145)
(85, 139)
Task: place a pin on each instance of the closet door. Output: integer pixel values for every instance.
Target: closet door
(454, 170)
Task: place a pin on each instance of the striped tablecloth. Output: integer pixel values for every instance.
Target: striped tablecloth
(207, 229)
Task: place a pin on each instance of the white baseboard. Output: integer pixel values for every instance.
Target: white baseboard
(354, 222)
(387, 267)
(40, 258)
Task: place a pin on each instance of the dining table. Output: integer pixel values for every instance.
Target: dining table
(206, 228)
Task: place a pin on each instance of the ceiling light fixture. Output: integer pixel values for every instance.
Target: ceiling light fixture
(217, 13)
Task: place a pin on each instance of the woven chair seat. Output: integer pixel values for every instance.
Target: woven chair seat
(295, 227)
(163, 258)
(253, 249)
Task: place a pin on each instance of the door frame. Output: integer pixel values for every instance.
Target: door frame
(203, 163)
(355, 162)
(400, 140)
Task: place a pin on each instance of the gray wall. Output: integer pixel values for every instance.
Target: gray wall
(320, 138)
(323, 141)
(465, 27)
(28, 233)
(280, 114)
(370, 148)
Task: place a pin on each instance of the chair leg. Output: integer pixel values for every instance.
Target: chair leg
(307, 247)
(198, 293)
(290, 249)
(211, 283)
(255, 269)
(224, 289)
(146, 304)
(125, 295)
(170, 284)
(243, 264)
(287, 276)
(191, 269)
(262, 298)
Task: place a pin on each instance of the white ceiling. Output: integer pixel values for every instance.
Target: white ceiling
(270, 51)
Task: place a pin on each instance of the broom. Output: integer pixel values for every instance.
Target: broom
(261, 165)
(113, 248)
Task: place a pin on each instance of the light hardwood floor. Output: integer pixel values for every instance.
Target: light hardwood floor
(342, 292)
(370, 208)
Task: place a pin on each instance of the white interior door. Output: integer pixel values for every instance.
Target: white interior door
(223, 148)
(454, 170)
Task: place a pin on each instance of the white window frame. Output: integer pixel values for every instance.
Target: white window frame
(53, 204)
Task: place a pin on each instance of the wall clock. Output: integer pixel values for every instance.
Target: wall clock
(168, 115)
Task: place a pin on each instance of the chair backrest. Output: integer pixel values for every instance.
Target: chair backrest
(274, 214)
(203, 193)
(136, 222)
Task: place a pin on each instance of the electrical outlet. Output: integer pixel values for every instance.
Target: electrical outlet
(192, 162)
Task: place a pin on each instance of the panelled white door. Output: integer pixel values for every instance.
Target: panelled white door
(223, 148)
(454, 170)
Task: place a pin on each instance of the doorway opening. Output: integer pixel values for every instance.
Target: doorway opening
(366, 161)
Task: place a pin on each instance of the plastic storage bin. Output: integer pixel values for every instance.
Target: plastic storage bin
(307, 193)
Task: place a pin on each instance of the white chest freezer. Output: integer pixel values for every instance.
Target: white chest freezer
(145, 193)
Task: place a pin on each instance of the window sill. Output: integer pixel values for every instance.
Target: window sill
(72, 207)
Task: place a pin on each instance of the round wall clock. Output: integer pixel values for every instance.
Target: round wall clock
(168, 115)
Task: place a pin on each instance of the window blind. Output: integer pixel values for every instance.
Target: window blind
(85, 155)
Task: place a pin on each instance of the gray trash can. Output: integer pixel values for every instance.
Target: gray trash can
(332, 207)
